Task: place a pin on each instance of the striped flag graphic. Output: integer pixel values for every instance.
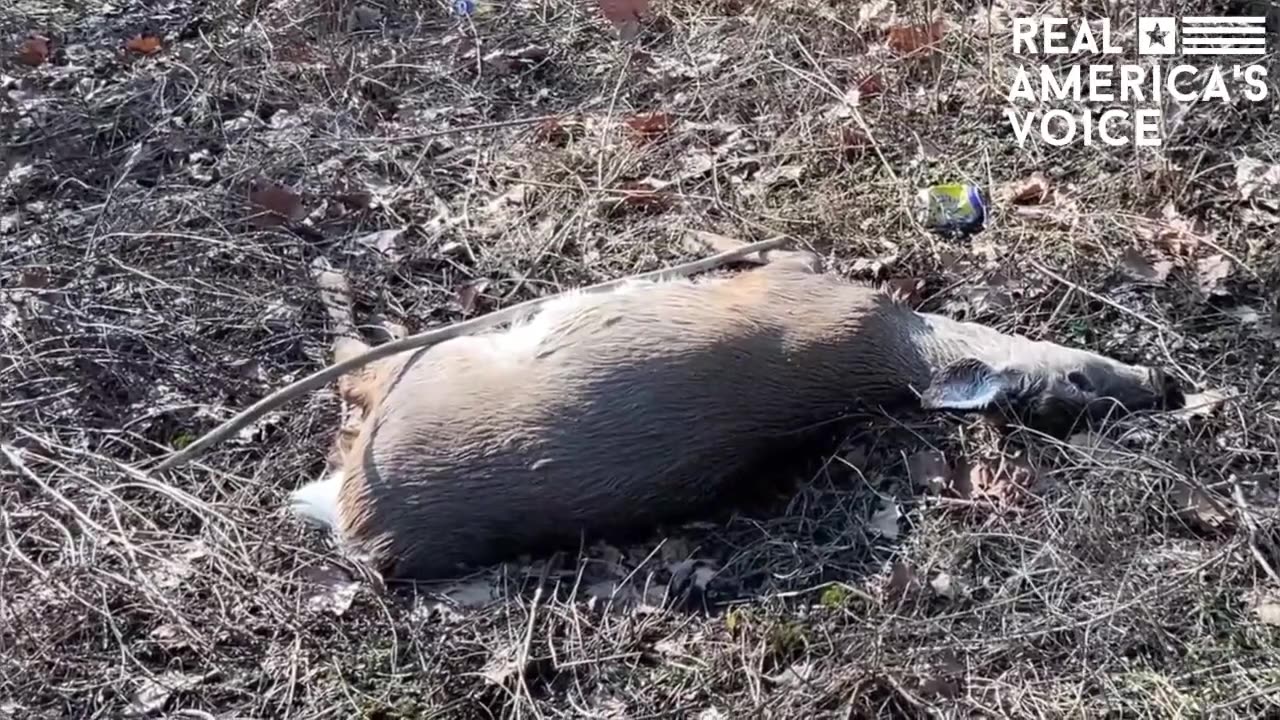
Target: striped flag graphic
(1224, 35)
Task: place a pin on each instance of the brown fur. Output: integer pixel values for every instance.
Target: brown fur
(644, 405)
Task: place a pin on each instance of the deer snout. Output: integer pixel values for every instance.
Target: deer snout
(1167, 388)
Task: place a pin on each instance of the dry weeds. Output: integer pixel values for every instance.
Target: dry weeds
(161, 214)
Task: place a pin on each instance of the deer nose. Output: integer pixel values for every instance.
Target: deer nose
(1168, 388)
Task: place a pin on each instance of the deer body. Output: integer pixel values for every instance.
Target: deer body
(614, 412)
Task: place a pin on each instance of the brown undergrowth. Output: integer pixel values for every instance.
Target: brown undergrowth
(162, 215)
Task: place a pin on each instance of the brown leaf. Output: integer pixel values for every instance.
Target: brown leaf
(870, 86)
(1172, 232)
(1265, 605)
(854, 143)
(902, 581)
(649, 126)
(33, 51)
(905, 290)
(908, 39)
(929, 471)
(1058, 209)
(170, 636)
(153, 693)
(1203, 404)
(468, 293)
(624, 14)
(551, 131)
(999, 483)
(143, 44)
(1256, 179)
(1139, 267)
(1211, 274)
(329, 589)
(875, 14)
(885, 520)
(384, 241)
(274, 205)
(1197, 508)
(1031, 190)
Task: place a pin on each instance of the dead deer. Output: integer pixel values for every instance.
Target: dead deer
(608, 413)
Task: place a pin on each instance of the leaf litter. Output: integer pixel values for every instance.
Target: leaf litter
(774, 555)
(1257, 180)
(153, 693)
(33, 51)
(329, 589)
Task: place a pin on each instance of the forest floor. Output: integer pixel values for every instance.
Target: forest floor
(175, 172)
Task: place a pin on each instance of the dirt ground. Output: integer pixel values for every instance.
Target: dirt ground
(174, 174)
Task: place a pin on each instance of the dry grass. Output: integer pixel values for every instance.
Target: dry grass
(141, 305)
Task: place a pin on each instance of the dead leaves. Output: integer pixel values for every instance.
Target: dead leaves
(624, 14)
(469, 293)
(1167, 240)
(1264, 604)
(1139, 267)
(329, 589)
(553, 131)
(885, 520)
(33, 51)
(999, 481)
(1032, 190)
(383, 241)
(153, 693)
(911, 39)
(1172, 233)
(1198, 509)
(649, 126)
(1170, 241)
(1036, 197)
(996, 482)
(1203, 404)
(870, 86)
(1212, 273)
(143, 44)
(1256, 180)
(903, 581)
(929, 471)
(274, 205)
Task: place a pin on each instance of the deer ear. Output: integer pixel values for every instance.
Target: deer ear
(968, 384)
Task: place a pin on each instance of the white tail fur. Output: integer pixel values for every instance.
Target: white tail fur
(317, 501)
